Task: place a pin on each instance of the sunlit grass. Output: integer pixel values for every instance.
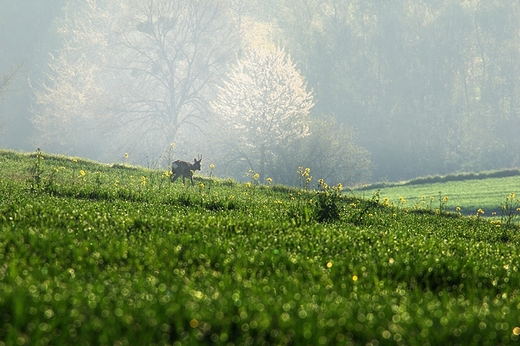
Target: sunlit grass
(469, 196)
(117, 255)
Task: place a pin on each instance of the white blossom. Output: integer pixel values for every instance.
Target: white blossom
(263, 103)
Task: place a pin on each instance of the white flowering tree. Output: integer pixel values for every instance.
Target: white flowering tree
(262, 106)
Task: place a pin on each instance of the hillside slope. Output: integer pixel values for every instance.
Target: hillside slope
(117, 255)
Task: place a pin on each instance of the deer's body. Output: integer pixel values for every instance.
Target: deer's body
(184, 169)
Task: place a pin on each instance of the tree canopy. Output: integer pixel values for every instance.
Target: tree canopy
(262, 106)
(426, 87)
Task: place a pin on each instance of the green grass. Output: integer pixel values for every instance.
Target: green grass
(116, 255)
(469, 195)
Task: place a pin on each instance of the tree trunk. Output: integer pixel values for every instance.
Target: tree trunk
(262, 162)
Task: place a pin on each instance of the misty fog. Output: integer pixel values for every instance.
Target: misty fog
(358, 91)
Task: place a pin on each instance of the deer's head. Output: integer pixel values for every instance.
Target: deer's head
(196, 163)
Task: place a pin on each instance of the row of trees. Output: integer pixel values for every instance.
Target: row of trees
(430, 86)
(423, 86)
(263, 123)
(134, 76)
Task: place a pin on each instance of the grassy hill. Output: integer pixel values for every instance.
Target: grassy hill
(116, 255)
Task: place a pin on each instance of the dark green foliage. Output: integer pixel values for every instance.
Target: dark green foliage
(284, 189)
(450, 177)
(328, 207)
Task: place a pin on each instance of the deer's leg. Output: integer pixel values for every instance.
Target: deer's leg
(191, 178)
(173, 178)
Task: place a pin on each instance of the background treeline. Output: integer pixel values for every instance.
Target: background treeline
(457, 177)
(431, 87)
(422, 87)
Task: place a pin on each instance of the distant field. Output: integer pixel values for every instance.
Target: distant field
(468, 195)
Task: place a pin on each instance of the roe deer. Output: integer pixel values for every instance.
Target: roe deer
(185, 169)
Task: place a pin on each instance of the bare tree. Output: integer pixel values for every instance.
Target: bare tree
(262, 106)
(171, 53)
(148, 67)
(5, 83)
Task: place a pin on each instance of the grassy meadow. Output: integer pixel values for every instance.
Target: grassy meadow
(95, 254)
(465, 196)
